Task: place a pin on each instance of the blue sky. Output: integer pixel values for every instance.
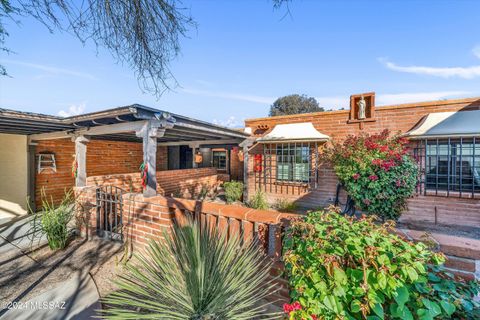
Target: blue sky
(243, 55)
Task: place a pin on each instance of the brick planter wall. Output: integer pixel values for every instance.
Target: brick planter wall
(168, 182)
(148, 218)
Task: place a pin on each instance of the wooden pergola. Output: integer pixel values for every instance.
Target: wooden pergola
(134, 123)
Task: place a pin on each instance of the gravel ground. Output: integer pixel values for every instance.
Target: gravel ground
(26, 276)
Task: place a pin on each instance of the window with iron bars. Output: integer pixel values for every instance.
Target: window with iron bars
(450, 165)
(287, 168)
(293, 163)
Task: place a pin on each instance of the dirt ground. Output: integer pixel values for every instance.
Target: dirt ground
(26, 276)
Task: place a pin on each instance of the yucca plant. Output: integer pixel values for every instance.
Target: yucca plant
(53, 221)
(194, 273)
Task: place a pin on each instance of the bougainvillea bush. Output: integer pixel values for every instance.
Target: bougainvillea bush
(343, 268)
(377, 172)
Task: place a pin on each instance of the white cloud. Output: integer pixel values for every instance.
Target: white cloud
(476, 51)
(51, 70)
(443, 72)
(73, 110)
(230, 122)
(231, 96)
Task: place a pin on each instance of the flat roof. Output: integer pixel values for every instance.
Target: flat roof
(185, 128)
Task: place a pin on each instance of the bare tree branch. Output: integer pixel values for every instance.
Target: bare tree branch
(144, 34)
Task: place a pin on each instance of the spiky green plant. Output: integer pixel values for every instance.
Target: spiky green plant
(52, 221)
(195, 273)
(259, 201)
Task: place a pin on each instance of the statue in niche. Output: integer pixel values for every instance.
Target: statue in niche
(362, 105)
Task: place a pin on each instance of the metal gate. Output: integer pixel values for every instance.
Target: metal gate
(109, 212)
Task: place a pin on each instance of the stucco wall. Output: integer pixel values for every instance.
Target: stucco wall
(13, 175)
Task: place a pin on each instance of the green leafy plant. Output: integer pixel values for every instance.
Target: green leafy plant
(233, 191)
(53, 221)
(377, 172)
(284, 205)
(259, 201)
(194, 273)
(342, 268)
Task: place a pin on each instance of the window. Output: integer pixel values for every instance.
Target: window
(453, 165)
(220, 160)
(293, 163)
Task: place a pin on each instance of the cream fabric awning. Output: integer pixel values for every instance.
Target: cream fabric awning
(294, 132)
(447, 124)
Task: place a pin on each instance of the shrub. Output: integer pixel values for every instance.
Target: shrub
(284, 205)
(233, 191)
(258, 201)
(376, 171)
(196, 273)
(341, 268)
(52, 221)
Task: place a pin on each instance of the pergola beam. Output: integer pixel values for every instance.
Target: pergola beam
(93, 131)
(201, 142)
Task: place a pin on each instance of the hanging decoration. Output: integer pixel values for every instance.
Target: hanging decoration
(74, 167)
(241, 156)
(198, 157)
(257, 163)
(144, 174)
(235, 149)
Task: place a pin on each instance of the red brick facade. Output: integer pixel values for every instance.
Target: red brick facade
(103, 157)
(336, 124)
(168, 182)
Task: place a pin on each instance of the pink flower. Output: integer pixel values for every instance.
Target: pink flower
(314, 317)
(287, 308)
(398, 183)
(296, 306)
(373, 177)
(356, 176)
(366, 201)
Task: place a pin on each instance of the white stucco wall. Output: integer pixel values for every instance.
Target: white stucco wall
(13, 176)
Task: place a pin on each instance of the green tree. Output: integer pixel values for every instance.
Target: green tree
(294, 104)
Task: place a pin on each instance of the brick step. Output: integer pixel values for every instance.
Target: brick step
(450, 245)
(462, 264)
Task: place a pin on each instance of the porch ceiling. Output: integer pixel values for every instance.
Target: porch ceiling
(123, 122)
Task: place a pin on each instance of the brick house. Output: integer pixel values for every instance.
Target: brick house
(286, 166)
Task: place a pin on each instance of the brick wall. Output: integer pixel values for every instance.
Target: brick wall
(399, 118)
(168, 182)
(149, 218)
(236, 166)
(103, 157)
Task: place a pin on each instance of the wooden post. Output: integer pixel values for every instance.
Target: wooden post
(81, 160)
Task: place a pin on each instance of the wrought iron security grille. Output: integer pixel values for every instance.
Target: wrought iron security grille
(449, 167)
(287, 168)
(109, 212)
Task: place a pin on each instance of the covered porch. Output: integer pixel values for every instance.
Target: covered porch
(137, 148)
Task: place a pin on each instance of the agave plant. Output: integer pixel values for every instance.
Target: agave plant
(195, 273)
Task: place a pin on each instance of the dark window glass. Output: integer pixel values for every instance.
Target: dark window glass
(293, 163)
(220, 160)
(453, 165)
